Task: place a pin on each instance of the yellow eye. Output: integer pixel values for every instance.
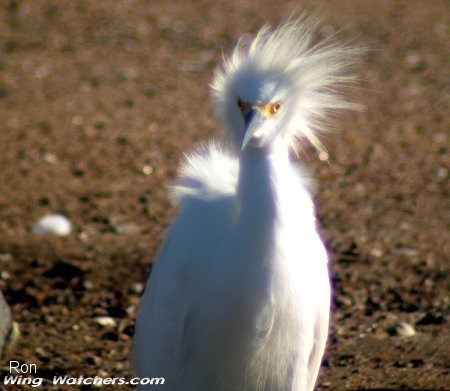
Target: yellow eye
(275, 108)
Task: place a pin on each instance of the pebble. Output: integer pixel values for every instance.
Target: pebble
(415, 61)
(106, 321)
(376, 252)
(127, 229)
(88, 285)
(53, 224)
(345, 301)
(49, 158)
(137, 287)
(147, 170)
(404, 329)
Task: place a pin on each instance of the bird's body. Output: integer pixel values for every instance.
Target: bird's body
(239, 297)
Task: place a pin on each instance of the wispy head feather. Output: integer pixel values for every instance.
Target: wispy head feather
(308, 77)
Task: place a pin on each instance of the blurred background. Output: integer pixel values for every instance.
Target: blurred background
(100, 99)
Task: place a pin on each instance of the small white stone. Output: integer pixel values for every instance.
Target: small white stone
(147, 170)
(105, 321)
(49, 158)
(77, 120)
(376, 252)
(414, 61)
(137, 287)
(131, 310)
(83, 236)
(404, 329)
(324, 156)
(54, 224)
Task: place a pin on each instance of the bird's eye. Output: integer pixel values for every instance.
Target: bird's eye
(239, 103)
(275, 108)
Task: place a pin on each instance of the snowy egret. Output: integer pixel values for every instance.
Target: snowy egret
(239, 297)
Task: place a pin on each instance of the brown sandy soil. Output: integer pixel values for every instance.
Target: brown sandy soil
(98, 101)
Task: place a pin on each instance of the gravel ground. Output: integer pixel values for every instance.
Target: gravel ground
(98, 101)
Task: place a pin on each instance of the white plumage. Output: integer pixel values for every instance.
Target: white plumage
(239, 297)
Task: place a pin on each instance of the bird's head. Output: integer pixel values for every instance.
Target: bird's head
(279, 87)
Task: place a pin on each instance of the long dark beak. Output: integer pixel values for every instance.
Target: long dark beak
(253, 121)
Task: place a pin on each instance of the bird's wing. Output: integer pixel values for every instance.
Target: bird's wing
(209, 173)
(322, 314)
(206, 197)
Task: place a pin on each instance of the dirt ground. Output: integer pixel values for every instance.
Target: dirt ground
(98, 101)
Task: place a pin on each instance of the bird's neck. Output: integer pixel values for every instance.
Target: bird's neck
(260, 187)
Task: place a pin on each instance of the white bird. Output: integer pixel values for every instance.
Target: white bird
(239, 297)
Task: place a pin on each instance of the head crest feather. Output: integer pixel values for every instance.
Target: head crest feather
(312, 75)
